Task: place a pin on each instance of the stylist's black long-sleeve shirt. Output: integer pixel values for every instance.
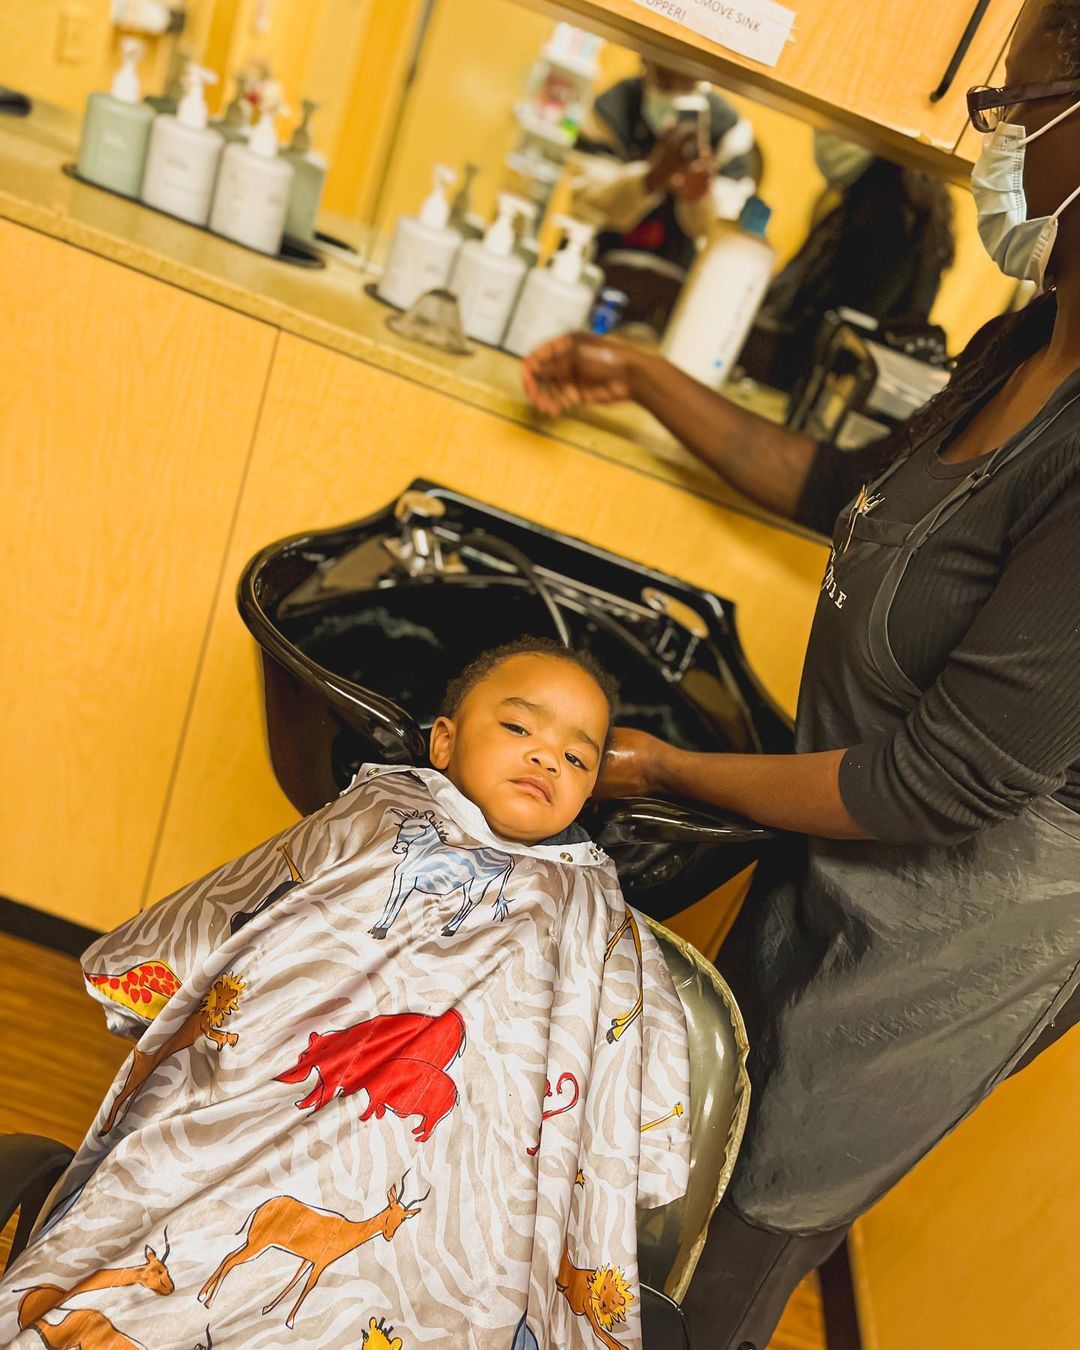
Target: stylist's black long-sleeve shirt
(986, 619)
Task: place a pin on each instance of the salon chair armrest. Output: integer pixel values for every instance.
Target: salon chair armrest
(30, 1166)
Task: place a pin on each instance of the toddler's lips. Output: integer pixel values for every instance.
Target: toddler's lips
(536, 787)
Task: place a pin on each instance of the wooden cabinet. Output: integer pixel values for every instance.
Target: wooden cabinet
(338, 439)
(863, 61)
(127, 410)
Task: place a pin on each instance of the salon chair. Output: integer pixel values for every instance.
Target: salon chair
(670, 1238)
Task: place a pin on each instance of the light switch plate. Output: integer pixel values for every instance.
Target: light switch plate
(72, 31)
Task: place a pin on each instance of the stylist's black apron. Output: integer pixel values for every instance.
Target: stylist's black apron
(888, 988)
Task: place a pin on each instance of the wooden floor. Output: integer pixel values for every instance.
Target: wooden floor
(58, 1061)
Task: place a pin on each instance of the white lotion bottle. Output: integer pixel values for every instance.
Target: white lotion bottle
(722, 295)
(182, 162)
(488, 275)
(423, 249)
(252, 195)
(555, 299)
(116, 130)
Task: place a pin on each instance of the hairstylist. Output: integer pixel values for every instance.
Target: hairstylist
(926, 935)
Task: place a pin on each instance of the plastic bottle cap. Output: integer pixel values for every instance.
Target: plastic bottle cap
(263, 140)
(125, 85)
(192, 110)
(568, 263)
(435, 211)
(500, 238)
(301, 137)
(755, 216)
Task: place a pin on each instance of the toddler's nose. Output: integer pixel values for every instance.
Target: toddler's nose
(544, 759)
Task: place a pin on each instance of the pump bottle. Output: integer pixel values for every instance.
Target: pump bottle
(462, 217)
(116, 130)
(555, 299)
(721, 297)
(488, 275)
(309, 174)
(182, 162)
(252, 194)
(423, 249)
(235, 123)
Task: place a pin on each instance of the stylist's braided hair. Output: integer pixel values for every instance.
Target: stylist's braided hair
(1006, 342)
(1063, 18)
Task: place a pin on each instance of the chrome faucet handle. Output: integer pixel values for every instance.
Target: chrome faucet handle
(416, 503)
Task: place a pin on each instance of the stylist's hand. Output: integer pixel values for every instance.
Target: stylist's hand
(670, 156)
(631, 767)
(578, 368)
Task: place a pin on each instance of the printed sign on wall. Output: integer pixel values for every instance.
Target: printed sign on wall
(757, 29)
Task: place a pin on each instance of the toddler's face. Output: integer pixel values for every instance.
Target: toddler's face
(525, 745)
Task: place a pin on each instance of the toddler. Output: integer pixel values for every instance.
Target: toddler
(403, 1074)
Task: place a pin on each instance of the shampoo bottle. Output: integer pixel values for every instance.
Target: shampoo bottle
(721, 296)
(252, 194)
(488, 275)
(555, 299)
(116, 130)
(182, 162)
(423, 249)
(309, 174)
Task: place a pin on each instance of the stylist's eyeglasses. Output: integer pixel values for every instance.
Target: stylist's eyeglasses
(986, 107)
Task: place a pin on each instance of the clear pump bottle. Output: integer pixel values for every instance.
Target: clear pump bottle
(555, 299)
(182, 162)
(488, 275)
(423, 249)
(116, 130)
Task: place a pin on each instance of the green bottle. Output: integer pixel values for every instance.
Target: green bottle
(308, 179)
(116, 130)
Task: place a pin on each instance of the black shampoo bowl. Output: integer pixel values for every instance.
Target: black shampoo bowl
(361, 627)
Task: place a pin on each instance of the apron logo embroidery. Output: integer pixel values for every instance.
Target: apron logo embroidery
(864, 503)
(829, 586)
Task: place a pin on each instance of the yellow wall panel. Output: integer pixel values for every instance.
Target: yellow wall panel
(339, 439)
(55, 50)
(978, 1248)
(127, 410)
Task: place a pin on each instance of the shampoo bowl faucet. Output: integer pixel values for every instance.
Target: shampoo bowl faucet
(418, 551)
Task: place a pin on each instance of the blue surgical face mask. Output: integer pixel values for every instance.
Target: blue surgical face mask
(841, 162)
(1020, 247)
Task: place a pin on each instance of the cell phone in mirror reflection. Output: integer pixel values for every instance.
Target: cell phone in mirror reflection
(693, 109)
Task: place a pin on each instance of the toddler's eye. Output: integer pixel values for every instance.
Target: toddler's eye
(575, 761)
(515, 728)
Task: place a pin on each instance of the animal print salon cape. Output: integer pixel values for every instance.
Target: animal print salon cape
(398, 1083)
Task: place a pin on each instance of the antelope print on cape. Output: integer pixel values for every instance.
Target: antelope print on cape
(373, 1056)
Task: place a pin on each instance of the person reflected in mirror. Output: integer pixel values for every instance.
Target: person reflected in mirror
(880, 240)
(660, 157)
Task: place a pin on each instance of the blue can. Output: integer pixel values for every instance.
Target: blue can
(608, 309)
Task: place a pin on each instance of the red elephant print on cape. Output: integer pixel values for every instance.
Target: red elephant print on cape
(400, 1059)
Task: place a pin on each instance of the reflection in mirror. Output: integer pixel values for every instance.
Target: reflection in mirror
(663, 168)
(795, 268)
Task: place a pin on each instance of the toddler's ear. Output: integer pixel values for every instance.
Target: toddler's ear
(441, 745)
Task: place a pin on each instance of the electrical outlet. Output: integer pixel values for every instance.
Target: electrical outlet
(72, 33)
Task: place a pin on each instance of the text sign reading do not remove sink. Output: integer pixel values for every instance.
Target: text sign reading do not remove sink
(757, 29)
